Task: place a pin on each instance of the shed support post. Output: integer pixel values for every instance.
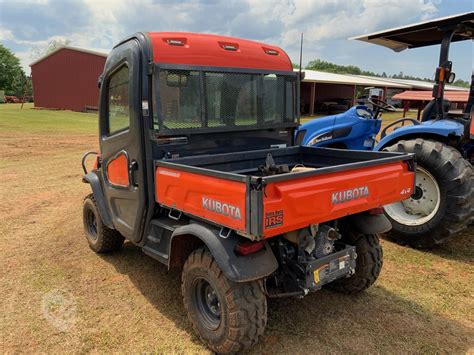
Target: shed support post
(406, 106)
(312, 98)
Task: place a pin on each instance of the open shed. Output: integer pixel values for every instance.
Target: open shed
(421, 98)
(319, 88)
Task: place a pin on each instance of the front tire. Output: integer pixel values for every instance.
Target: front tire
(227, 316)
(368, 263)
(100, 238)
(442, 204)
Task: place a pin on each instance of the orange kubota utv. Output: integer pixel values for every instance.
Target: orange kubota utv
(198, 166)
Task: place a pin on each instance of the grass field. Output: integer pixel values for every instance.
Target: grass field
(58, 296)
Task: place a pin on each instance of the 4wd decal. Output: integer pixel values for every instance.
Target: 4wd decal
(348, 195)
(222, 208)
(273, 219)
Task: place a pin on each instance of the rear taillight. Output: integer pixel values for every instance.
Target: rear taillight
(247, 248)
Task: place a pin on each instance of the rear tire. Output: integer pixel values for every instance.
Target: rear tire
(101, 239)
(227, 316)
(454, 177)
(368, 263)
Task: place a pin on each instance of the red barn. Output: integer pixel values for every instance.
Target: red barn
(67, 78)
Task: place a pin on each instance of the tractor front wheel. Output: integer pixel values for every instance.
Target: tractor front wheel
(442, 203)
(101, 239)
(228, 316)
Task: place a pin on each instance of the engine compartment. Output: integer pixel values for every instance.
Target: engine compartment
(309, 258)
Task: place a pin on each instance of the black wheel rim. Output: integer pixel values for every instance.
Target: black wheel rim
(91, 224)
(207, 304)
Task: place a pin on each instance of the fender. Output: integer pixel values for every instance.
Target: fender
(235, 267)
(370, 224)
(93, 179)
(442, 128)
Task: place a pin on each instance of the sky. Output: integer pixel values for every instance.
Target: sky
(327, 25)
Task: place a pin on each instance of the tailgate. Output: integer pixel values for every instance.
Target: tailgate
(298, 202)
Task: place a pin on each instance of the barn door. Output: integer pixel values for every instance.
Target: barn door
(121, 145)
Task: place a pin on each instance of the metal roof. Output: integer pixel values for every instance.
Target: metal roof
(423, 34)
(78, 49)
(453, 96)
(332, 78)
(419, 84)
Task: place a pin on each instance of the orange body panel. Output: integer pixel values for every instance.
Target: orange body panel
(117, 171)
(219, 200)
(301, 202)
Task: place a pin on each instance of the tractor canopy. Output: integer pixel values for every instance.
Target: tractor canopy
(441, 31)
(424, 33)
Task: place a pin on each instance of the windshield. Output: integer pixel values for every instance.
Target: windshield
(217, 101)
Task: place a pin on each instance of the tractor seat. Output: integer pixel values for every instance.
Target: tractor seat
(431, 110)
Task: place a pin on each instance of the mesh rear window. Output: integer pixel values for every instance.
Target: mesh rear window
(197, 99)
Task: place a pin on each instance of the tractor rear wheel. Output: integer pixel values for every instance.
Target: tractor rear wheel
(368, 263)
(228, 316)
(101, 239)
(442, 203)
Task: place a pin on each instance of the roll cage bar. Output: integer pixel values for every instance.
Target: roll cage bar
(441, 31)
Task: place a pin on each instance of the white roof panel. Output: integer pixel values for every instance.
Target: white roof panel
(332, 78)
(78, 49)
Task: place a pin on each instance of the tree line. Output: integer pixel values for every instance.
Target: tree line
(325, 66)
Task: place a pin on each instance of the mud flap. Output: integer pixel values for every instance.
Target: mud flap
(93, 179)
(370, 224)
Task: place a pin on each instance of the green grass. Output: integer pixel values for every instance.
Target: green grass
(28, 119)
(128, 302)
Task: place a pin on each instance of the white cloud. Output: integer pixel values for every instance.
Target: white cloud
(326, 23)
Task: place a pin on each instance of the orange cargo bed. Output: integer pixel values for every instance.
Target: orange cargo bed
(230, 191)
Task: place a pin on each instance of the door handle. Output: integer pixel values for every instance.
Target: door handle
(132, 168)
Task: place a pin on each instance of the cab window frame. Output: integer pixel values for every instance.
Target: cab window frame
(108, 131)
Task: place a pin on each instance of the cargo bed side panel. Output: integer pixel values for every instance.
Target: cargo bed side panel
(297, 203)
(218, 200)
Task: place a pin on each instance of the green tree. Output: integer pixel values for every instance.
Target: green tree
(461, 83)
(12, 77)
(54, 44)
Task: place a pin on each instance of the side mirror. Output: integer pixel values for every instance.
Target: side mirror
(177, 80)
(451, 78)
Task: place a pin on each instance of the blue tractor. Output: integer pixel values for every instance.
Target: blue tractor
(442, 203)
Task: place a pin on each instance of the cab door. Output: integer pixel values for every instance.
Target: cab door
(121, 143)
